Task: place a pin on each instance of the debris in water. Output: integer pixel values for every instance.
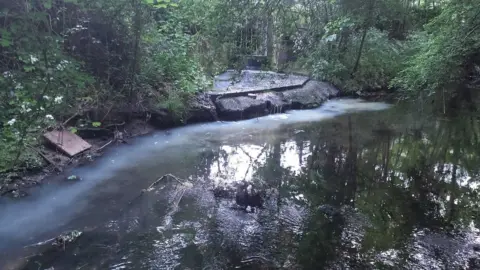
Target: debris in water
(67, 237)
(183, 182)
(72, 177)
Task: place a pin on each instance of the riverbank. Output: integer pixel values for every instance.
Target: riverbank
(138, 122)
(16, 184)
(147, 117)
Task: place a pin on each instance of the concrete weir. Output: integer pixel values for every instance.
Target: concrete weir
(251, 93)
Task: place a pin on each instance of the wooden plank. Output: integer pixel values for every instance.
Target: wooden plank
(67, 142)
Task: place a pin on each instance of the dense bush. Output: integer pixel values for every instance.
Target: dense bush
(65, 57)
(380, 61)
(447, 52)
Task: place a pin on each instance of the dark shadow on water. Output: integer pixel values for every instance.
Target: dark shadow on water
(369, 190)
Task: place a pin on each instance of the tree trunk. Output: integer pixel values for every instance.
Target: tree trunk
(137, 27)
(368, 22)
(270, 42)
(359, 55)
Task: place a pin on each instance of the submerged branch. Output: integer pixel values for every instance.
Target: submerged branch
(179, 180)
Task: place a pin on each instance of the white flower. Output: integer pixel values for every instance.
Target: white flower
(46, 97)
(33, 59)
(7, 74)
(62, 65)
(11, 122)
(41, 108)
(25, 108)
(18, 86)
(58, 99)
(49, 117)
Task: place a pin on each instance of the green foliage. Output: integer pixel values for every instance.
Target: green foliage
(379, 62)
(171, 57)
(173, 61)
(53, 59)
(39, 80)
(446, 51)
(161, 3)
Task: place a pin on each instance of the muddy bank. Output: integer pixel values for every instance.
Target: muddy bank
(16, 184)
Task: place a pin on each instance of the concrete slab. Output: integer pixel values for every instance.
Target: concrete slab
(233, 83)
(67, 142)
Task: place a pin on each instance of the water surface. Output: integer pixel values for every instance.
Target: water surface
(351, 185)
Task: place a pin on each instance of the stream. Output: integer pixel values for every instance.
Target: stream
(350, 185)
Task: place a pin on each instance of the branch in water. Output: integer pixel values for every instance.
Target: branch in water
(181, 181)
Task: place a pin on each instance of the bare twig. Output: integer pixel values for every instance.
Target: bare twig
(176, 178)
(105, 145)
(82, 266)
(69, 119)
(156, 183)
(41, 243)
(108, 112)
(115, 125)
(163, 177)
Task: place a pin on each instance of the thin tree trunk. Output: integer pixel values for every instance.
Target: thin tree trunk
(364, 35)
(359, 55)
(137, 27)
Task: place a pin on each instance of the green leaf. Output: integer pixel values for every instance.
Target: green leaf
(96, 124)
(5, 42)
(73, 130)
(28, 68)
(160, 3)
(72, 177)
(47, 4)
(6, 39)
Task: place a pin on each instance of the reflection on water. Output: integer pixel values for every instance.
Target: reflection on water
(362, 190)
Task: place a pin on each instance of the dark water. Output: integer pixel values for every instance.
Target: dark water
(351, 185)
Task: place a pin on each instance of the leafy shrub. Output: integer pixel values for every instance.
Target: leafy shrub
(380, 60)
(39, 81)
(445, 51)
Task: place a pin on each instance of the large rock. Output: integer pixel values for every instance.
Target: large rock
(275, 101)
(162, 118)
(237, 108)
(201, 109)
(312, 95)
